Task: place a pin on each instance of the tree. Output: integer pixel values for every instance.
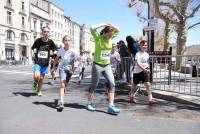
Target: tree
(167, 30)
(181, 11)
(177, 13)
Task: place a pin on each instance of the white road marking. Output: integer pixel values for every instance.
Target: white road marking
(16, 72)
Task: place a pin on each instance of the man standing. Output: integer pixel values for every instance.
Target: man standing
(41, 50)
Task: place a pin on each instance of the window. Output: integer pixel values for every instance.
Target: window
(34, 37)
(22, 5)
(9, 17)
(23, 37)
(52, 34)
(52, 11)
(41, 25)
(55, 23)
(35, 25)
(52, 23)
(9, 1)
(55, 35)
(9, 35)
(23, 21)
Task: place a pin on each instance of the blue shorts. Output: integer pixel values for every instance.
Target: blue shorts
(40, 69)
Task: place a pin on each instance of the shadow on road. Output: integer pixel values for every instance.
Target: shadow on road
(25, 94)
(54, 104)
(74, 105)
(101, 111)
(48, 104)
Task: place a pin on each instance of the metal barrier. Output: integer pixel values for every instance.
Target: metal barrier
(10, 62)
(168, 77)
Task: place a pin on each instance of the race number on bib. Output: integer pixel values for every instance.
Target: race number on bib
(105, 54)
(42, 54)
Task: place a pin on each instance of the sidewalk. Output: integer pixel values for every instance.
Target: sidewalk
(170, 96)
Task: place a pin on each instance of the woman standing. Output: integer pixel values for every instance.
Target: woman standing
(101, 65)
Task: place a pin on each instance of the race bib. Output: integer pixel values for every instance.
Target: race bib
(43, 54)
(105, 54)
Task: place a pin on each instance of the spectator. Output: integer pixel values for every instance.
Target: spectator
(125, 62)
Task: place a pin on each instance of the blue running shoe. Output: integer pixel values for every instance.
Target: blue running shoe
(89, 107)
(113, 110)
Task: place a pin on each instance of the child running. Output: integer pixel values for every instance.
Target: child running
(68, 64)
(41, 50)
(142, 73)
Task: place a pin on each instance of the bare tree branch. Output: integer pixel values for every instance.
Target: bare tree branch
(194, 11)
(173, 7)
(162, 16)
(193, 25)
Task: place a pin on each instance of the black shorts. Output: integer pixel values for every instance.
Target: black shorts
(137, 77)
(56, 66)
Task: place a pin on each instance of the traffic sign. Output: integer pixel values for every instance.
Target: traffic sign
(152, 21)
(149, 28)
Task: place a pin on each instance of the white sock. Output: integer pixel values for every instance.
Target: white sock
(89, 102)
(150, 97)
(111, 104)
(62, 101)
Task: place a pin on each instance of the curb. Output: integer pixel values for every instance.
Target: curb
(170, 96)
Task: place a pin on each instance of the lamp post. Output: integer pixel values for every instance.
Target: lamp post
(149, 30)
(150, 38)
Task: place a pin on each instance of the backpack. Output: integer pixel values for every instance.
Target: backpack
(134, 49)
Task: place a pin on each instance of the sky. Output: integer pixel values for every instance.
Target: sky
(92, 12)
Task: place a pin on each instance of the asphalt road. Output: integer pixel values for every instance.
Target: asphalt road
(22, 112)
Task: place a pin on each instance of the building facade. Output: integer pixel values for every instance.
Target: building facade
(21, 23)
(86, 41)
(39, 17)
(76, 36)
(14, 30)
(73, 29)
(57, 21)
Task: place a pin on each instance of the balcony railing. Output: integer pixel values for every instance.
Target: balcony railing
(10, 39)
(8, 6)
(23, 12)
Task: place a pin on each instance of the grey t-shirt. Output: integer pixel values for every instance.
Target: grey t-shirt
(68, 58)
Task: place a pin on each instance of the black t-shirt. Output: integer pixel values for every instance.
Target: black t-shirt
(123, 51)
(42, 54)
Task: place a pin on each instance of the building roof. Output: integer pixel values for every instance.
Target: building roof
(56, 5)
(193, 51)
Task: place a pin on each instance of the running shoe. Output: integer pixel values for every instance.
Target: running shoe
(39, 93)
(34, 86)
(113, 110)
(132, 99)
(60, 106)
(89, 107)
